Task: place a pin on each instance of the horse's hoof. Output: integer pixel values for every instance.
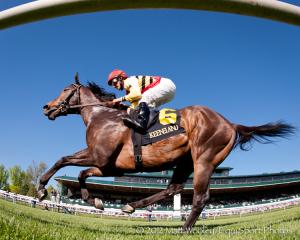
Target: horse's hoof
(42, 194)
(128, 209)
(99, 204)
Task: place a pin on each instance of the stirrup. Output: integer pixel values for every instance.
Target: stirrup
(134, 125)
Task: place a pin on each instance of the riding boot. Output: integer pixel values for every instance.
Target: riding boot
(141, 122)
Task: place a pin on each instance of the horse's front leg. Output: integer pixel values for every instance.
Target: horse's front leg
(84, 174)
(80, 158)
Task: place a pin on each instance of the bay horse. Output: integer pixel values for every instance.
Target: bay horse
(207, 141)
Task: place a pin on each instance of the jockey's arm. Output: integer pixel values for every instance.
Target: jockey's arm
(131, 85)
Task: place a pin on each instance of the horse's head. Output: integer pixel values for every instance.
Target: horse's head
(61, 105)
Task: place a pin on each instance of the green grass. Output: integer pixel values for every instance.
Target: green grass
(22, 222)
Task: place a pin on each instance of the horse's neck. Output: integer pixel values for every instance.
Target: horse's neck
(87, 113)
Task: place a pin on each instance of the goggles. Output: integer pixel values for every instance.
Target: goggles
(116, 80)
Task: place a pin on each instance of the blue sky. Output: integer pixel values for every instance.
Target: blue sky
(245, 68)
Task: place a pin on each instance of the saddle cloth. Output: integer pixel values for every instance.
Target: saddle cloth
(162, 124)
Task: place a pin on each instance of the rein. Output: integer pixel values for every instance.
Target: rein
(89, 104)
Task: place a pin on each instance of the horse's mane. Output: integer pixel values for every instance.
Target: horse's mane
(100, 92)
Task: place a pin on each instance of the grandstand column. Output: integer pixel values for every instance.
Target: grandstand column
(177, 205)
(177, 202)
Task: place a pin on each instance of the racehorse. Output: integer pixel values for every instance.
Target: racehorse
(206, 142)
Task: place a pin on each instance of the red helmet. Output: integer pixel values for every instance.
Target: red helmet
(116, 73)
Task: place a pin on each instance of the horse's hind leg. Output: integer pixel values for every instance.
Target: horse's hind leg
(205, 162)
(181, 173)
(202, 174)
(80, 158)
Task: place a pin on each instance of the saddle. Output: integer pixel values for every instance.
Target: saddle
(161, 125)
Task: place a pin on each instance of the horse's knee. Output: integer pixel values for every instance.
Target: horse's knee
(81, 175)
(43, 179)
(64, 161)
(61, 163)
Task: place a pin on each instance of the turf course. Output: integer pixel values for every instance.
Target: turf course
(22, 222)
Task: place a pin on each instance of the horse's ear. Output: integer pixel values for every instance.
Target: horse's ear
(77, 78)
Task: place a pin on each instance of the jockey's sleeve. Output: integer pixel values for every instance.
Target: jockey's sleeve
(131, 86)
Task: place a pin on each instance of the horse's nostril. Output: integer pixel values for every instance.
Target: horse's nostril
(46, 107)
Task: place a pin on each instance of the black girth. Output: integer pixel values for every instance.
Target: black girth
(137, 150)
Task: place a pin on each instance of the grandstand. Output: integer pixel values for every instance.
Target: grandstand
(226, 191)
(230, 195)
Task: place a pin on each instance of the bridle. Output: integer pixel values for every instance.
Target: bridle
(64, 105)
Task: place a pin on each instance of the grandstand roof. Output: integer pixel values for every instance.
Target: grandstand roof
(168, 173)
(229, 183)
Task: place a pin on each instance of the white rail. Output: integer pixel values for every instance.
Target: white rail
(71, 208)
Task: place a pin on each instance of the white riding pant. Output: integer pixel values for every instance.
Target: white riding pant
(160, 94)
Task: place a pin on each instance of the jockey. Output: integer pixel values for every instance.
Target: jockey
(142, 92)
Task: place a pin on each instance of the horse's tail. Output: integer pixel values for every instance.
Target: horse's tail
(262, 133)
